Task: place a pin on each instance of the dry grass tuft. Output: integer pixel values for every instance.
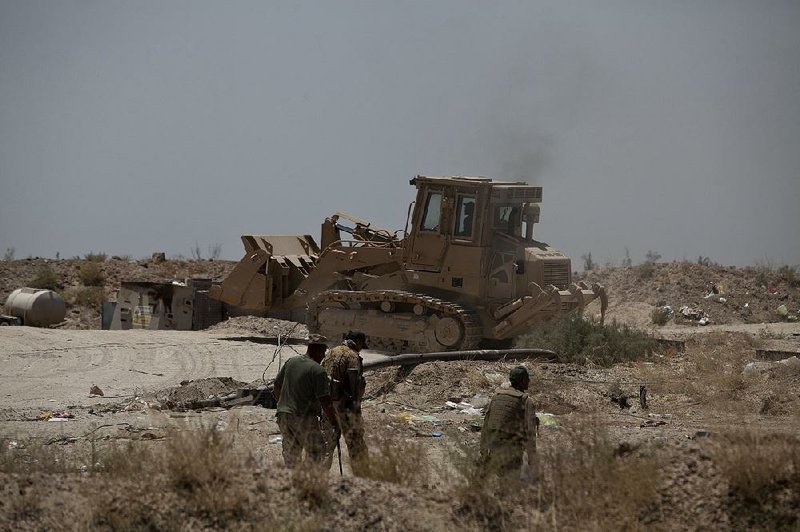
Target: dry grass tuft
(201, 465)
(587, 483)
(763, 475)
(311, 484)
(91, 274)
(89, 296)
(583, 483)
(397, 461)
(130, 460)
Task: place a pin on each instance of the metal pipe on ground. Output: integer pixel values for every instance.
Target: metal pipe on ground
(491, 355)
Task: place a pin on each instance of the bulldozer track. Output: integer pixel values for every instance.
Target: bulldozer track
(467, 320)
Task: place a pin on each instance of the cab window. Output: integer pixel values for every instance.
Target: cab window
(507, 219)
(433, 211)
(465, 215)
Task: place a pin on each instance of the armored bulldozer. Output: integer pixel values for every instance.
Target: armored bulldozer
(465, 273)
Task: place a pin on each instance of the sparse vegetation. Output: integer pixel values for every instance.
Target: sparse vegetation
(659, 316)
(584, 340)
(95, 257)
(397, 461)
(627, 262)
(195, 252)
(588, 262)
(763, 475)
(706, 261)
(652, 256)
(89, 296)
(46, 278)
(584, 483)
(788, 274)
(214, 251)
(584, 480)
(645, 270)
(91, 273)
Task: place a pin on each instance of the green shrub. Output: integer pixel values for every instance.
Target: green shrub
(46, 278)
(91, 274)
(586, 341)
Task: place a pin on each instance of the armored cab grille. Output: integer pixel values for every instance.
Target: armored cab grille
(556, 274)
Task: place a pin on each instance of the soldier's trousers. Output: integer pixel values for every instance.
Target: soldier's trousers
(301, 433)
(353, 432)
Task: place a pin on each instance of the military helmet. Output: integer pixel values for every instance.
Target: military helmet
(357, 337)
(518, 373)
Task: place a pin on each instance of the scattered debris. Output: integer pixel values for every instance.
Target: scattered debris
(408, 417)
(547, 420)
(95, 391)
(276, 439)
(694, 314)
(464, 408)
(61, 440)
(700, 434)
(480, 401)
(651, 423)
(755, 368)
(619, 397)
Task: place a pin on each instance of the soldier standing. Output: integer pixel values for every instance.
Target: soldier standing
(510, 428)
(303, 393)
(345, 369)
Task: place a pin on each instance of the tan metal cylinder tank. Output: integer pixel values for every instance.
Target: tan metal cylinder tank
(36, 307)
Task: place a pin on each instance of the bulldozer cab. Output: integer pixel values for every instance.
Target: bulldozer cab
(458, 219)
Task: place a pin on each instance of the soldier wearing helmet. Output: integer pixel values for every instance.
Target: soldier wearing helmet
(510, 428)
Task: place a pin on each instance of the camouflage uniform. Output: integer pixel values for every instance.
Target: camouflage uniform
(509, 429)
(347, 401)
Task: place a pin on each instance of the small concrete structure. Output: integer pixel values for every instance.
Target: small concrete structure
(177, 305)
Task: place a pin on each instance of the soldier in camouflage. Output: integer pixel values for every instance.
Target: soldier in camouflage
(510, 428)
(345, 369)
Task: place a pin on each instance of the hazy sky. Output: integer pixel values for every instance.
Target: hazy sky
(132, 127)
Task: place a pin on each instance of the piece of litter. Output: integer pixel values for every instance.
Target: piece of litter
(276, 439)
(547, 420)
(436, 434)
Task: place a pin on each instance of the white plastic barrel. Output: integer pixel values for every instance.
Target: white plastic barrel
(36, 307)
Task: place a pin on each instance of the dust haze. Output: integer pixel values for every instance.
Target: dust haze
(131, 128)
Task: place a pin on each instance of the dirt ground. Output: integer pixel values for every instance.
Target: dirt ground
(695, 400)
(716, 448)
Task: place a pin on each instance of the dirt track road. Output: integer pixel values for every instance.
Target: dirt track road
(41, 365)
